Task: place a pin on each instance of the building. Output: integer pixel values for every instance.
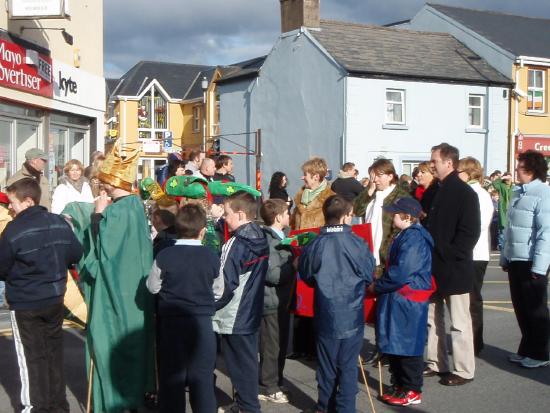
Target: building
(51, 83)
(353, 92)
(517, 47)
(164, 108)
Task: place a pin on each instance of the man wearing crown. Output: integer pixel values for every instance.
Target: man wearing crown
(117, 261)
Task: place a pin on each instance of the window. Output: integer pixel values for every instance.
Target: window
(535, 90)
(152, 115)
(395, 106)
(408, 167)
(196, 118)
(475, 111)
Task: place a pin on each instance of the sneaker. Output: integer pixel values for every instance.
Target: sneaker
(532, 363)
(392, 391)
(230, 408)
(515, 358)
(405, 398)
(278, 397)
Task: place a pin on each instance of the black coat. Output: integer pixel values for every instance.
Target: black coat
(348, 188)
(454, 223)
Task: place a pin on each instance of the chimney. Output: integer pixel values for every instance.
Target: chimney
(298, 13)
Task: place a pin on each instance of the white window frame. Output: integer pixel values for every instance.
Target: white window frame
(481, 108)
(402, 103)
(196, 118)
(153, 90)
(537, 89)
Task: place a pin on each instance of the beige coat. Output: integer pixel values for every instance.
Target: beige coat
(310, 216)
(45, 199)
(5, 218)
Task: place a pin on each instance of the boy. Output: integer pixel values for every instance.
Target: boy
(339, 265)
(187, 353)
(402, 307)
(36, 249)
(239, 290)
(275, 320)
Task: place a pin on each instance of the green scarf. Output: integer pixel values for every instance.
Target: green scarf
(309, 195)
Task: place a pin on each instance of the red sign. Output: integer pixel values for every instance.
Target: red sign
(537, 143)
(25, 69)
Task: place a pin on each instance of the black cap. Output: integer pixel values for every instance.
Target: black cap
(405, 205)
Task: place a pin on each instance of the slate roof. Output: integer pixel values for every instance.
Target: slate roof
(110, 86)
(177, 79)
(390, 52)
(521, 36)
(241, 70)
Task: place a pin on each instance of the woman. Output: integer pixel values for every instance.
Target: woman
(382, 191)
(471, 172)
(310, 199)
(526, 258)
(94, 182)
(426, 189)
(277, 188)
(73, 187)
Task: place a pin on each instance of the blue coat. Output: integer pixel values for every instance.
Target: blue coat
(339, 265)
(400, 321)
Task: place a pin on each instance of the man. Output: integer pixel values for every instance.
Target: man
(194, 162)
(207, 169)
(118, 259)
(346, 185)
(35, 163)
(454, 223)
(36, 249)
(224, 169)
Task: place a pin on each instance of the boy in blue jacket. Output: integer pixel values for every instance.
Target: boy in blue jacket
(339, 265)
(402, 304)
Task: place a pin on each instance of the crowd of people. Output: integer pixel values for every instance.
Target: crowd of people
(196, 268)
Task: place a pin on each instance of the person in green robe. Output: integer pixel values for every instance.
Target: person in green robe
(116, 263)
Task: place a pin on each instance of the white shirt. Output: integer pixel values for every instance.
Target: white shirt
(482, 248)
(373, 216)
(66, 193)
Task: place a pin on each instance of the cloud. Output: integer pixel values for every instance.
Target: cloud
(227, 31)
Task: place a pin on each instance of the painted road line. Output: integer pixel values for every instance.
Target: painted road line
(494, 307)
(496, 282)
(497, 302)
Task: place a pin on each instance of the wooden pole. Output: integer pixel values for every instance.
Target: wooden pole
(90, 382)
(380, 377)
(366, 384)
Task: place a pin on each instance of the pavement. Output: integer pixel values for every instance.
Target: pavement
(498, 387)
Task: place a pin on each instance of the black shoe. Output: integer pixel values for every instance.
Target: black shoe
(454, 380)
(296, 356)
(428, 372)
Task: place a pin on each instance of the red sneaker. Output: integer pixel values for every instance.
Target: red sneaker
(392, 391)
(405, 398)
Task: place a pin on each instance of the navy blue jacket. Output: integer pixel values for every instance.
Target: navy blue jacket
(239, 289)
(339, 265)
(401, 321)
(36, 249)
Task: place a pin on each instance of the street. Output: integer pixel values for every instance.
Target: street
(499, 386)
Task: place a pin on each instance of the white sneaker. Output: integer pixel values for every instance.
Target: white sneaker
(515, 358)
(531, 363)
(278, 397)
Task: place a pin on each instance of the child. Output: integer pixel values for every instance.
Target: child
(339, 265)
(275, 320)
(240, 293)
(402, 307)
(187, 354)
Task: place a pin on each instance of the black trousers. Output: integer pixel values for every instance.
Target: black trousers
(187, 357)
(304, 336)
(273, 345)
(38, 338)
(476, 305)
(240, 353)
(407, 371)
(530, 300)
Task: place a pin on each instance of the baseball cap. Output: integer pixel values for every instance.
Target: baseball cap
(405, 205)
(36, 153)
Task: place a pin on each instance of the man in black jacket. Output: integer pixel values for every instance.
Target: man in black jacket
(36, 249)
(454, 223)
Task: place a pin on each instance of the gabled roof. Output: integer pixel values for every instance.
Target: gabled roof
(241, 70)
(175, 78)
(388, 52)
(195, 90)
(521, 36)
(110, 86)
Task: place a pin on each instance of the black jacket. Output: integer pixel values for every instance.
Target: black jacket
(454, 223)
(36, 249)
(347, 188)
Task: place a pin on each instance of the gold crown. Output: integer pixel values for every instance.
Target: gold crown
(118, 172)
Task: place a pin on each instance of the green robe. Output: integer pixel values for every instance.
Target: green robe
(120, 331)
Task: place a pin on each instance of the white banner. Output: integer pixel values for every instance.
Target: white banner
(73, 85)
(25, 9)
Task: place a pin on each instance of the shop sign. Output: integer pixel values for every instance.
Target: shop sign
(151, 146)
(73, 85)
(25, 70)
(538, 143)
(25, 9)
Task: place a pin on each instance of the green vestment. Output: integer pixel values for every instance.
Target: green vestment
(120, 332)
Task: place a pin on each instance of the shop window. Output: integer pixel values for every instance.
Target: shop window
(27, 138)
(535, 91)
(475, 111)
(152, 115)
(196, 118)
(5, 151)
(395, 106)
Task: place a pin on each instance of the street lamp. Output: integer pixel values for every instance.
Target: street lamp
(204, 86)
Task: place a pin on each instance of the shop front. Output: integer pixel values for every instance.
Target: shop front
(537, 143)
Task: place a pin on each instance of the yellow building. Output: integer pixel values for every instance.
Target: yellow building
(164, 108)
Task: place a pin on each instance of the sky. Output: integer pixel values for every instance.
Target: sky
(221, 32)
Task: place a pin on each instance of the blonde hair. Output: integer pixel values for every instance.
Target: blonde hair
(316, 166)
(471, 167)
(71, 163)
(425, 166)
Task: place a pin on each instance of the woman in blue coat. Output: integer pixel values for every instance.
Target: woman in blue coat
(402, 307)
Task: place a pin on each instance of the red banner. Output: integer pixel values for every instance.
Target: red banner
(25, 69)
(538, 143)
